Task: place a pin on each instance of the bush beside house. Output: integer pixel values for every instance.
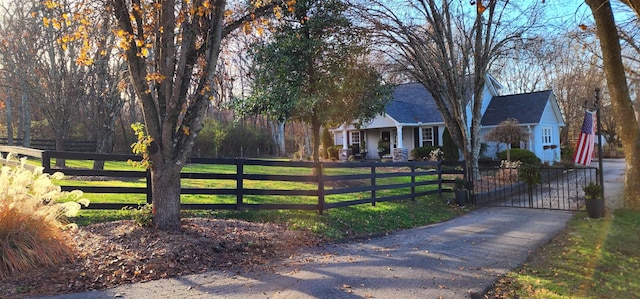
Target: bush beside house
(522, 155)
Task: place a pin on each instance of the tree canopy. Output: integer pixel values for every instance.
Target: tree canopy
(314, 69)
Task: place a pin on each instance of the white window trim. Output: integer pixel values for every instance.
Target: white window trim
(422, 137)
(355, 133)
(547, 134)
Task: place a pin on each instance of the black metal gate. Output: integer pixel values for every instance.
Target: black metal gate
(556, 187)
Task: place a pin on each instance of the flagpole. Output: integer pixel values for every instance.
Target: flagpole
(601, 176)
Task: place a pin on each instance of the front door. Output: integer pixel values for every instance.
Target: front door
(385, 142)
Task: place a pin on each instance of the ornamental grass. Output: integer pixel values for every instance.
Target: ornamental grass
(33, 220)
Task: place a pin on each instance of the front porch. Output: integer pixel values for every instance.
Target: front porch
(392, 143)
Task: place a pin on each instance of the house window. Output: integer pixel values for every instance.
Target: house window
(427, 136)
(355, 137)
(546, 135)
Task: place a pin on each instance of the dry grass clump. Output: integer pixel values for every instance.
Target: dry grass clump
(33, 220)
(508, 172)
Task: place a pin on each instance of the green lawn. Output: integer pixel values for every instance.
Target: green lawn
(589, 259)
(339, 223)
(250, 184)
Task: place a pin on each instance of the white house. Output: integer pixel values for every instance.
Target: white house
(412, 119)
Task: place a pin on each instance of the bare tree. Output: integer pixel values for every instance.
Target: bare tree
(508, 131)
(16, 40)
(448, 46)
(104, 83)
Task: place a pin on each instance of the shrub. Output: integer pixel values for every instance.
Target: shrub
(142, 215)
(530, 174)
(508, 171)
(33, 219)
(210, 138)
(522, 155)
(245, 141)
(332, 151)
(423, 153)
(450, 149)
(592, 191)
(327, 141)
(567, 153)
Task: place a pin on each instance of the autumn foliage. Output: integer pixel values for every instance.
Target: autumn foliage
(33, 220)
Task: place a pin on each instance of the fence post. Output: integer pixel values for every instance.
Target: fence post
(149, 187)
(320, 178)
(373, 185)
(413, 182)
(46, 162)
(239, 182)
(440, 180)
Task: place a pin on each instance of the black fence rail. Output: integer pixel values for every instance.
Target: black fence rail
(47, 144)
(560, 188)
(244, 184)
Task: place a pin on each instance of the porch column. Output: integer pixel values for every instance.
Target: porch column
(399, 137)
(344, 152)
(400, 154)
(344, 136)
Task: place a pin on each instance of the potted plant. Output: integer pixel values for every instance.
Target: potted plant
(593, 200)
(363, 149)
(460, 191)
(382, 147)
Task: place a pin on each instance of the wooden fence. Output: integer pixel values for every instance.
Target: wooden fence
(365, 182)
(47, 144)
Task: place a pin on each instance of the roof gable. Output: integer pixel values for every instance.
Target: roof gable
(527, 108)
(413, 103)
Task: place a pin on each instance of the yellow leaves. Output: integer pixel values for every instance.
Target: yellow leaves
(83, 59)
(56, 24)
(291, 5)
(277, 11)
(246, 28)
(186, 131)
(46, 21)
(228, 12)
(51, 4)
(155, 77)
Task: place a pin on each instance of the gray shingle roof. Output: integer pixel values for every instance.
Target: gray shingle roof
(412, 103)
(527, 108)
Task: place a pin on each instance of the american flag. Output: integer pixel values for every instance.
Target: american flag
(584, 148)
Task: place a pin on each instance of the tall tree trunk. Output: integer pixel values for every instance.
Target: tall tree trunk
(618, 89)
(60, 146)
(104, 144)
(277, 132)
(315, 128)
(165, 180)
